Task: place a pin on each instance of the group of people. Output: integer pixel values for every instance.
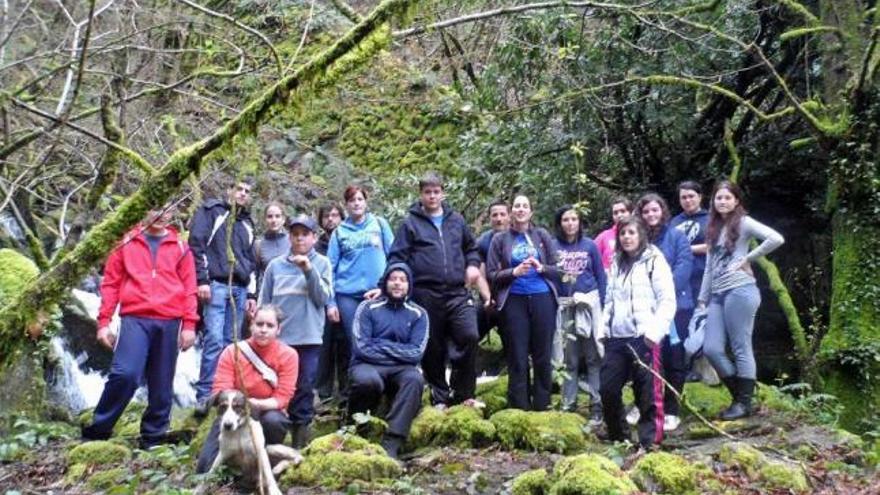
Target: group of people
(344, 306)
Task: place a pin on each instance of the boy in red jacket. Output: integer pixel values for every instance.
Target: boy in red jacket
(151, 277)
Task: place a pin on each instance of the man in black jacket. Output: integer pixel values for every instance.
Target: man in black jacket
(438, 246)
(208, 239)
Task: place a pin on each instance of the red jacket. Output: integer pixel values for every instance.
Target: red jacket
(165, 290)
(277, 355)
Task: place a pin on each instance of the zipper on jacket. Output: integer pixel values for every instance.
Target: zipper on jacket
(442, 249)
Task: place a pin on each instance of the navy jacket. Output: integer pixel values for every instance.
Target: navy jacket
(207, 239)
(694, 228)
(677, 251)
(438, 257)
(389, 331)
(581, 259)
(500, 272)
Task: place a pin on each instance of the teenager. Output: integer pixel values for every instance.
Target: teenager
(621, 209)
(437, 244)
(150, 276)
(390, 335)
(335, 348)
(581, 292)
(224, 304)
(731, 294)
(268, 401)
(522, 268)
(274, 242)
(677, 251)
(487, 314)
(638, 311)
(300, 284)
(358, 250)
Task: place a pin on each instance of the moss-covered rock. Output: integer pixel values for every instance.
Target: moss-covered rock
(338, 459)
(493, 394)
(590, 474)
(532, 482)
(708, 401)
(75, 473)
(202, 431)
(661, 472)
(98, 453)
(105, 480)
(772, 474)
(549, 431)
(462, 426)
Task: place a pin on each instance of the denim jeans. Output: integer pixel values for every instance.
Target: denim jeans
(218, 331)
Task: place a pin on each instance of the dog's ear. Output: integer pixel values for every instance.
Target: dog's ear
(216, 399)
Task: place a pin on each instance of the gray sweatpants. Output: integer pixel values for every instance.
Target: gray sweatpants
(577, 347)
(731, 321)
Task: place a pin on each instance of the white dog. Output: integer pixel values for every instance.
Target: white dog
(243, 445)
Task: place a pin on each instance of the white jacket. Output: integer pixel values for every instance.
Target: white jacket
(645, 295)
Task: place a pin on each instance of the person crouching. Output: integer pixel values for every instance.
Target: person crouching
(388, 340)
(638, 310)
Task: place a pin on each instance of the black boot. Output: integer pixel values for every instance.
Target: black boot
(392, 443)
(300, 436)
(742, 405)
(730, 384)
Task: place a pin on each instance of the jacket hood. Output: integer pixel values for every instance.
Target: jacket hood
(241, 211)
(348, 223)
(390, 268)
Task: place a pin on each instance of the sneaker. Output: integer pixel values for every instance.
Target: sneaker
(440, 406)
(632, 417)
(596, 417)
(475, 403)
(671, 423)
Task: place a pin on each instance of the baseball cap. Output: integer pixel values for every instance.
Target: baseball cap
(304, 220)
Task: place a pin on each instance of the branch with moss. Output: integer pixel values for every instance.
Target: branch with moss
(325, 68)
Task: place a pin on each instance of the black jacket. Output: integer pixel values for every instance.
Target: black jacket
(207, 238)
(438, 257)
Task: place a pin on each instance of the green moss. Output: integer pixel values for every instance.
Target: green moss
(16, 270)
(781, 476)
(661, 472)
(105, 480)
(532, 482)
(422, 431)
(773, 475)
(202, 431)
(548, 431)
(590, 474)
(462, 426)
(493, 394)
(75, 473)
(98, 453)
(708, 401)
(336, 460)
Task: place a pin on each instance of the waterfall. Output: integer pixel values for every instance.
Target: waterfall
(79, 389)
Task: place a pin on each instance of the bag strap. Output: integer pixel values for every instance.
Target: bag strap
(268, 373)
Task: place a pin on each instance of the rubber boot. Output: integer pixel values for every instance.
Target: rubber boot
(742, 406)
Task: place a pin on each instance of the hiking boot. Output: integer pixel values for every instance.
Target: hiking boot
(300, 436)
(392, 443)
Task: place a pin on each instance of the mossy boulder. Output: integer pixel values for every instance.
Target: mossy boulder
(336, 460)
(493, 394)
(534, 482)
(462, 426)
(772, 474)
(662, 472)
(98, 453)
(548, 431)
(105, 480)
(590, 474)
(708, 401)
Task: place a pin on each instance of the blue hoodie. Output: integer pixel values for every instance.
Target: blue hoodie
(677, 251)
(388, 331)
(581, 260)
(694, 228)
(357, 253)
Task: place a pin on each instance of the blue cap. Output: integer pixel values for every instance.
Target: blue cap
(304, 220)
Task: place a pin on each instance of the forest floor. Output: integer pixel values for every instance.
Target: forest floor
(784, 431)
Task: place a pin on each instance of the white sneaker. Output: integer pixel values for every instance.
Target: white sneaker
(632, 417)
(475, 403)
(670, 423)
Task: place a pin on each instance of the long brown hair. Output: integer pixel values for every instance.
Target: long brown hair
(718, 224)
(625, 260)
(653, 232)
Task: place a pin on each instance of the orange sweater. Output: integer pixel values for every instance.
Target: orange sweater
(278, 356)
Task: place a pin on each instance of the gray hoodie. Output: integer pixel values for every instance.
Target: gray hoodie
(301, 297)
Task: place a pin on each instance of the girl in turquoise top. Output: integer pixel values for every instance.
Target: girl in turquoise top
(357, 251)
